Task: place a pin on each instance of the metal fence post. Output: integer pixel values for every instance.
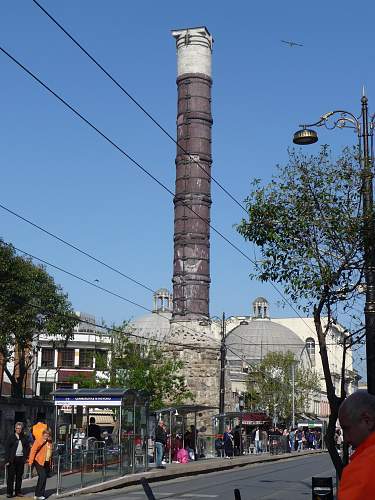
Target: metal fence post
(82, 466)
(133, 455)
(58, 487)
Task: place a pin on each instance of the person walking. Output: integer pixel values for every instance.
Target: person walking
(292, 440)
(160, 442)
(300, 437)
(257, 440)
(40, 456)
(228, 443)
(16, 452)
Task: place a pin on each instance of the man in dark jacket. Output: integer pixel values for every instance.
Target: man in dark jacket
(160, 442)
(17, 449)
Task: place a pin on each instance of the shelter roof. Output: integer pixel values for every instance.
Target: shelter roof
(184, 409)
(98, 392)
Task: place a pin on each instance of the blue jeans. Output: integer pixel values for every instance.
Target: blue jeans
(159, 453)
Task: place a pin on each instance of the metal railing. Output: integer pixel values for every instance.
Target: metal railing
(86, 467)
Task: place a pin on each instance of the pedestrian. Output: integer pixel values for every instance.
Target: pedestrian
(94, 430)
(160, 442)
(16, 452)
(292, 439)
(357, 419)
(300, 438)
(40, 456)
(237, 440)
(257, 440)
(228, 443)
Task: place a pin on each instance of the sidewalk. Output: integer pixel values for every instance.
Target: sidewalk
(170, 472)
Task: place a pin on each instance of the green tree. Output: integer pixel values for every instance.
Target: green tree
(307, 226)
(140, 366)
(270, 385)
(30, 304)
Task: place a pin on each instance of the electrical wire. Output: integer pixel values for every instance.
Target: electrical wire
(75, 247)
(110, 292)
(148, 173)
(137, 103)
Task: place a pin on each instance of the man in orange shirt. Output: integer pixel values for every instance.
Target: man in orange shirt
(357, 419)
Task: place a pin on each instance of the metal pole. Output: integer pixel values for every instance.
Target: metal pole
(223, 351)
(170, 437)
(120, 437)
(58, 488)
(293, 397)
(195, 437)
(133, 449)
(368, 245)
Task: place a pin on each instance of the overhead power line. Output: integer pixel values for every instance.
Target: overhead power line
(137, 164)
(136, 102)
(75, 247)
(109, 292)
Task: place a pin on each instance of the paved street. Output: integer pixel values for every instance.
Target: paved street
(289, 479)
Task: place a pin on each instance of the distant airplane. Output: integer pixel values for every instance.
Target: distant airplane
(292, 44)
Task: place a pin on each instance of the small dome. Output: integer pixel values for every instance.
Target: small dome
(259, 337)
(153, 326)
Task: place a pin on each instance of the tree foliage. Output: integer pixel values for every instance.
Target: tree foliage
(270, 385)
(308, 227)
(140, 366)
(30, 304)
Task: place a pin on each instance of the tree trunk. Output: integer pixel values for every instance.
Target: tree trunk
(334, 401)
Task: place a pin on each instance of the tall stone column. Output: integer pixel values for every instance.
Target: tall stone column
(191, 267)
(190, 325)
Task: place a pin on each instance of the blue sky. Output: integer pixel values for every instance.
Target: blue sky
(60, 174)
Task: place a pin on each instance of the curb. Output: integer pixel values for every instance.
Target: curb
(165, 475)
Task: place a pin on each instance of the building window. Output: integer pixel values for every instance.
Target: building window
(310, 348)
(48, 358)
(66, 358)
(45, 390)
(86, 357)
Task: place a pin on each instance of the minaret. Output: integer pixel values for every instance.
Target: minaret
(191, 267)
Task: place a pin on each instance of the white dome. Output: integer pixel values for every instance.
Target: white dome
(153, 326)
(259, 337)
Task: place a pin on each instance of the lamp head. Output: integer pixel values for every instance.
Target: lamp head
(305, 136)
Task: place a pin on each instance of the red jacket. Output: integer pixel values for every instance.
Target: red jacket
(357, 480)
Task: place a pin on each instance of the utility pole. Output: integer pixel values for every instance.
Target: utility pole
(223, 355)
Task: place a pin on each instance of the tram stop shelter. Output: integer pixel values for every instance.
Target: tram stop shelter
(178, 419)
(74, 407)
(242, 418)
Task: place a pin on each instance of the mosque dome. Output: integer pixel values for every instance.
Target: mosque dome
(254, 339)
(156, 324)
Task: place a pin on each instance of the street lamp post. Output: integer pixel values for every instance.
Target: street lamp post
(364, 129)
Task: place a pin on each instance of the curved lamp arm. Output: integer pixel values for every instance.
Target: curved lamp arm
(345, 120)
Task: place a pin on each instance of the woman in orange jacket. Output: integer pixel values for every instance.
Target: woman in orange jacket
(41, 455)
